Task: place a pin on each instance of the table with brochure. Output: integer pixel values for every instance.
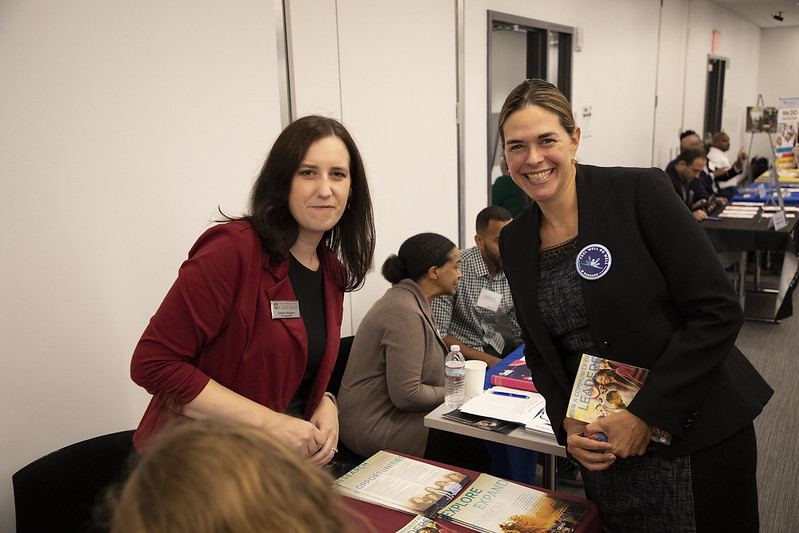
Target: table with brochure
(747, 227)
(383, 519)
(534, 438)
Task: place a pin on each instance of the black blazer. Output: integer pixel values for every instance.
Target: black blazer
(665, 304)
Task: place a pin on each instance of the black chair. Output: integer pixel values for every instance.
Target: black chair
(345, 460)
(59, 492)
(341, 363)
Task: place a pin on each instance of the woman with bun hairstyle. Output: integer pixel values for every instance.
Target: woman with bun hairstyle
(395, 372)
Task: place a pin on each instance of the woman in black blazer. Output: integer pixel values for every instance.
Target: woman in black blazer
(608, 261)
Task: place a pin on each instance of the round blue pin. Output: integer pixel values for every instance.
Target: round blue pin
(593, 261)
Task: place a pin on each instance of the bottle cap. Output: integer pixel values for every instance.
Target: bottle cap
(454, 348)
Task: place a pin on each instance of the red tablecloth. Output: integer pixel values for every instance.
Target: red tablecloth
(381, 520)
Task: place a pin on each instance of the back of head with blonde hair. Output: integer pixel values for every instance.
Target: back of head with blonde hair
(219, 477)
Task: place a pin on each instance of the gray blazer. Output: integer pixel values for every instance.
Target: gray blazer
(394, 376)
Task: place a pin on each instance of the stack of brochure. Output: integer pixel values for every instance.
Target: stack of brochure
(495, 505)
(503, 403)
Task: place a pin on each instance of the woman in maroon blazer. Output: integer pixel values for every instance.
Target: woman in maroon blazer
(610, 262)
(250, 329)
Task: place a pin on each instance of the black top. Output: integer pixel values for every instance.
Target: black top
(560, 298)
(308, 286)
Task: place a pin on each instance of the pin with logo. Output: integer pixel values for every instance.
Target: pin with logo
(593, 261)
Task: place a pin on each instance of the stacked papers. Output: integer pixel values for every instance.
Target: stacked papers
(504, 403)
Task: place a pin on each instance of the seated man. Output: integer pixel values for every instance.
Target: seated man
(480, 316)
(725, 173)
(705, 186)
(683, 171)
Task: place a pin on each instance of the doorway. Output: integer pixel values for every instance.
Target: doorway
(521, 48)
(714, 95)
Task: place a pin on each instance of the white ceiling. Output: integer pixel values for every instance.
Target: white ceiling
(760, 12)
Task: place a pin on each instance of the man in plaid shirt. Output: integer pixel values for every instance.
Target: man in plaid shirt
(479, 316)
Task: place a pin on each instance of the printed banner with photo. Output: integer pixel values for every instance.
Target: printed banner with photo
(761, 119)
(787, 129)
(787, 123)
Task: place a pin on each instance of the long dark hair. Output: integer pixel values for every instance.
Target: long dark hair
(352, 239)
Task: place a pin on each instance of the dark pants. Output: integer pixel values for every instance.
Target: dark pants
(725, 484)
(712, 490)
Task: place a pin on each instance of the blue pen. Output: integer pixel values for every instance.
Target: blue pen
(499, 393)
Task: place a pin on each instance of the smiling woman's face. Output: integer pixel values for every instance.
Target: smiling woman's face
(321, 186)
(539, 152)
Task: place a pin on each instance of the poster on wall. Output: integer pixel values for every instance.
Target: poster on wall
(761, 119)
(787, 123)
(787, 128)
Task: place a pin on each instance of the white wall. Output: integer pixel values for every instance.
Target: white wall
(615, 74)
(671, 72)
(398, 99)
(123, 126)
(395, 92)
(685, 44)
(778, 76)
(740, 44)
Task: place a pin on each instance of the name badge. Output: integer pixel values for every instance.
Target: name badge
(593, 261)
(285, 309)
(489, 300)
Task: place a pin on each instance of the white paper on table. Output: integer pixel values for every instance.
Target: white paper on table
(540, 424)
(509, 408)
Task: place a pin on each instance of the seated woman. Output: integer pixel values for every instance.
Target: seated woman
(395, 372)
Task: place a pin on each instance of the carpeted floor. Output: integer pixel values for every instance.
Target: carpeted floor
(774, 350)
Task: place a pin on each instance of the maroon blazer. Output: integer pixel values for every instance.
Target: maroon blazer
(216, 322)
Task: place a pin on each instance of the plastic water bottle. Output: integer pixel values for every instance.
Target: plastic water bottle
(454, 373)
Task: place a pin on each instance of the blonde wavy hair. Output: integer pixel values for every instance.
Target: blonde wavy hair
(220, 477)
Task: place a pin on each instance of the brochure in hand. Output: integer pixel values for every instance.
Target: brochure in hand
(604, 387)
(402, 483)
(495, 505)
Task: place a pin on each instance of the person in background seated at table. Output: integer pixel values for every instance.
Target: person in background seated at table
(726, 174)
(683, 171)
(395, 371)
(705, 186)
(215, 476)
(479, 316)
(609, 262)
(250, 329)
